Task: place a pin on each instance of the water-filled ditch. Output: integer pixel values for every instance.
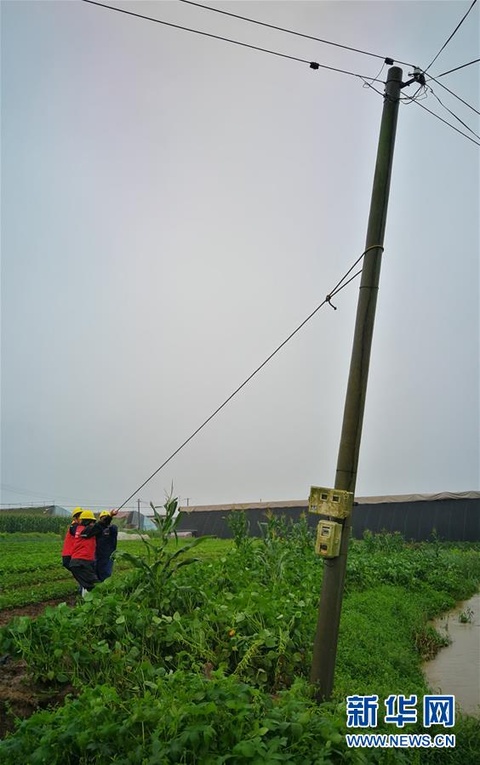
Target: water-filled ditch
(456, 668)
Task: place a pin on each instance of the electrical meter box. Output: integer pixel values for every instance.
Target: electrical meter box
(335, 503)
(329, 536)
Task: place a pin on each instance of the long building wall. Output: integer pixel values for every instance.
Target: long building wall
(455, 520)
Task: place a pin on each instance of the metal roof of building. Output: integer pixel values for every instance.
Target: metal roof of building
(391, 498)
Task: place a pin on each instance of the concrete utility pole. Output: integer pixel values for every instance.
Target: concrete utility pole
(326, 638)
(138, 513)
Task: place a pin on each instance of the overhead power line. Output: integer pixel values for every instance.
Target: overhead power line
(453, 113)
(312, 64)
(47, 498)
(417, 97)
(449, 38)
(448, 123)
(16, 490)
(453, 94)
(456, 69)
(338, 287)
(415, 100)
(290, 31)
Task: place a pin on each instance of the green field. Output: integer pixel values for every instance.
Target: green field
(31, 568)
(176, 660)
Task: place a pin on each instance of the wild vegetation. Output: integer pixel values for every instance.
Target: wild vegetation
(182, 660)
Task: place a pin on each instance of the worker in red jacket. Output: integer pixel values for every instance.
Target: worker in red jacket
(82, 561)
(70, 537)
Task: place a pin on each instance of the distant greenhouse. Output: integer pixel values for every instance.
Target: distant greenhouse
(449, 516)
(55, 511)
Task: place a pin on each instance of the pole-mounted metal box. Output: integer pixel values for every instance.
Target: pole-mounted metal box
(335, 503)
(329, 536)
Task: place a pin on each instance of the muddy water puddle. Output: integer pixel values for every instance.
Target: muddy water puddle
(456, 668)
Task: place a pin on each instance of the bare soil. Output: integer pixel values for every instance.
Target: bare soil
(34, 609)
(20, 697)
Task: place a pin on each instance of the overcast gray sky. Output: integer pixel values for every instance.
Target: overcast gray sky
(173, 206)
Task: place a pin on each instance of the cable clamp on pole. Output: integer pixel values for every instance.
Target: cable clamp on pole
(374, 247)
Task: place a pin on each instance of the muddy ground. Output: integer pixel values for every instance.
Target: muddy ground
(34, 609)
(20, 697)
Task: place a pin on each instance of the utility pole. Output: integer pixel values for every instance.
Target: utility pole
(326, 638)
(138, 514)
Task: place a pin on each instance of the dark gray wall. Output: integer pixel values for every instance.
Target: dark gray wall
(455, 520)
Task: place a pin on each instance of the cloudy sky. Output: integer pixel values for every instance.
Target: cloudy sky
(173, 206)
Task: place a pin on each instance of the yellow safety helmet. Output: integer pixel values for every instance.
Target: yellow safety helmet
(77, 511)
(103, 514)
(87, 515)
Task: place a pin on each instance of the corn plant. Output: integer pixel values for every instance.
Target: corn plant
(12, 523)
(160, 563)
(239, 525)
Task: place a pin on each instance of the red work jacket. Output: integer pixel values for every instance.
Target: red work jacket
(69, 539)
(83, 548)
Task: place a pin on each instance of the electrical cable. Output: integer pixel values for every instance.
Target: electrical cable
(452, 113)
(448, 40)
(338, 287)
(411, 99)
(312, 64)
(475, 61)
(453, 94)
(415, 100)
(447, 123)
(15, 490)
(368, 84)
(290, 31)
(7, 487)
(405, 99)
